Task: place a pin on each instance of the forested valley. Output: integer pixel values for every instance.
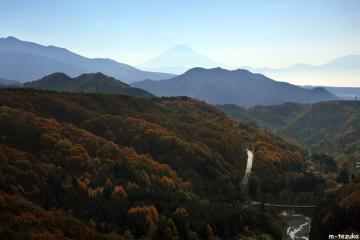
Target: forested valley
(76, 165)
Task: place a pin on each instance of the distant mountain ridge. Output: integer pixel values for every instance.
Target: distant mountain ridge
(91, 83)
(344, 69)
(27, 61)
(240, 87)
(347, 93)
(178, 60)
(7, 82)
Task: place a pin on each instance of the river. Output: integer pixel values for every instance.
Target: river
(298, 225)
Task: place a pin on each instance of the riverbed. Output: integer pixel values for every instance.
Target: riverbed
(298, 225)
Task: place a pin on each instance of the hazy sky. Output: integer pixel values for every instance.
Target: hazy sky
(236, 33)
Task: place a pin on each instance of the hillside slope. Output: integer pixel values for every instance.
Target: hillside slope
(240, 87)
(332, 127)
(338, 213)
(155, 168)
(198, 141)
(329, 127)
(270, 117)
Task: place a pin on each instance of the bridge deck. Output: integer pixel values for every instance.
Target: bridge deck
(283, 205)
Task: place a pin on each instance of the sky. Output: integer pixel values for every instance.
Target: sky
(236, 33)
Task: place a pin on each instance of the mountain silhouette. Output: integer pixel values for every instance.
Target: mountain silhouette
(7, 82)
(90, 83)
(27, 61)
(344, 70)
(177, 60)
(240, 87)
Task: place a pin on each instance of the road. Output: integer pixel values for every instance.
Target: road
(249, 164)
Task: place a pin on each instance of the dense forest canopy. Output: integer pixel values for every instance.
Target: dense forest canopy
(338, 212)
(119, 166)
(328, 127)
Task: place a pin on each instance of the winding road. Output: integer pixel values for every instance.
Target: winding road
(249, 164)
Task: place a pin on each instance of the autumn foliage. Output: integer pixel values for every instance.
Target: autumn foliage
(116, 166)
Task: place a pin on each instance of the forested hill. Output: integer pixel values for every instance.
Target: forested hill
(134, 166)
(338, 212)
(332, 127)
(91, 83)
(270, 117)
